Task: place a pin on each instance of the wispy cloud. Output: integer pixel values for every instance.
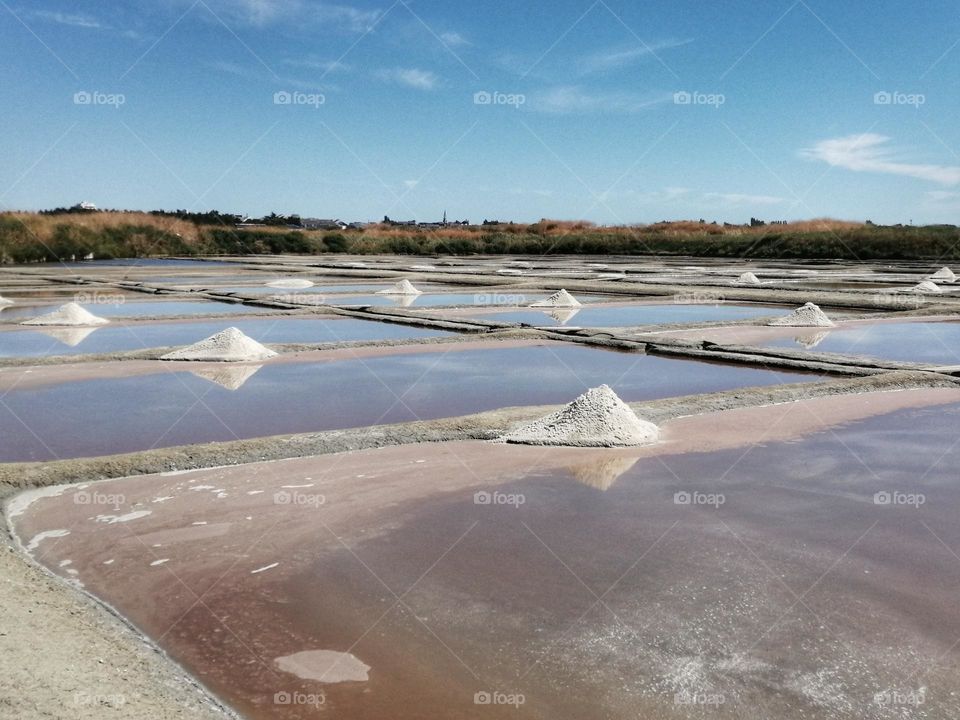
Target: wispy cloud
(312, 63)
(616, 58)
(572, 99)
(78, 21)
(411, 77)
(454, 39)
(257, 73)
(870, 153)
(261, 13)
(742, 199)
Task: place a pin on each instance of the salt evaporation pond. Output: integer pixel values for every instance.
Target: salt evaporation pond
(136, 309)
(481, 297)
(810, 593)
(175, 407)
(638, 314)
(923, 342)
(116, 338)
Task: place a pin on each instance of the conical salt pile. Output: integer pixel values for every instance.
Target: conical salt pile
(944, 274)
(558, 299)
(69, 315)
(5, 301)
(598, 418)
(404, 287)
(926, 286)
(290, 284)
(807, 316)
(748, 278)
(230, 345)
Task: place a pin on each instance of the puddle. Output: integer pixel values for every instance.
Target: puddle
(176, 407)
(636, 315)
(923, 342)
(70, 341)
(672, 586)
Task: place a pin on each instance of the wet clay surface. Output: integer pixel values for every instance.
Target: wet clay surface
(799, 578)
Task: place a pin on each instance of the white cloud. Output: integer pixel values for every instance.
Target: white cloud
(80, 21)
(311, 63)
(615, 58)
(869, 153)
(260, 13)
(410, 184)
(411, 77)
(574, 99)
(742, 199)
(454, 39)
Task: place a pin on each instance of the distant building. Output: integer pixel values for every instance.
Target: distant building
(323, 224)
(88, 206)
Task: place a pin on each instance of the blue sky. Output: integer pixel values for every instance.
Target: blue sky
(611, 111)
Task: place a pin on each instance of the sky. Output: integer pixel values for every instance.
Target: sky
(604, 110)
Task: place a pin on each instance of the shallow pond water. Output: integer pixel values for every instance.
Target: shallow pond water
(176, 407)
(481, 298)
(811, 579)
(35, 342)
(639, 314)
(923, 342)
(135, 309)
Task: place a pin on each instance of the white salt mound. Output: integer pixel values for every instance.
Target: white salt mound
(69, 315)
(944, 274)
(231, 345)
(926, 286)
(598, 418)
(404, 287)
(5, 301)
(809, 315)
(558, 299)
(290, 283)
(748, 278)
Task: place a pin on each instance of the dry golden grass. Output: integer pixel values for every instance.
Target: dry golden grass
(44, 226)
